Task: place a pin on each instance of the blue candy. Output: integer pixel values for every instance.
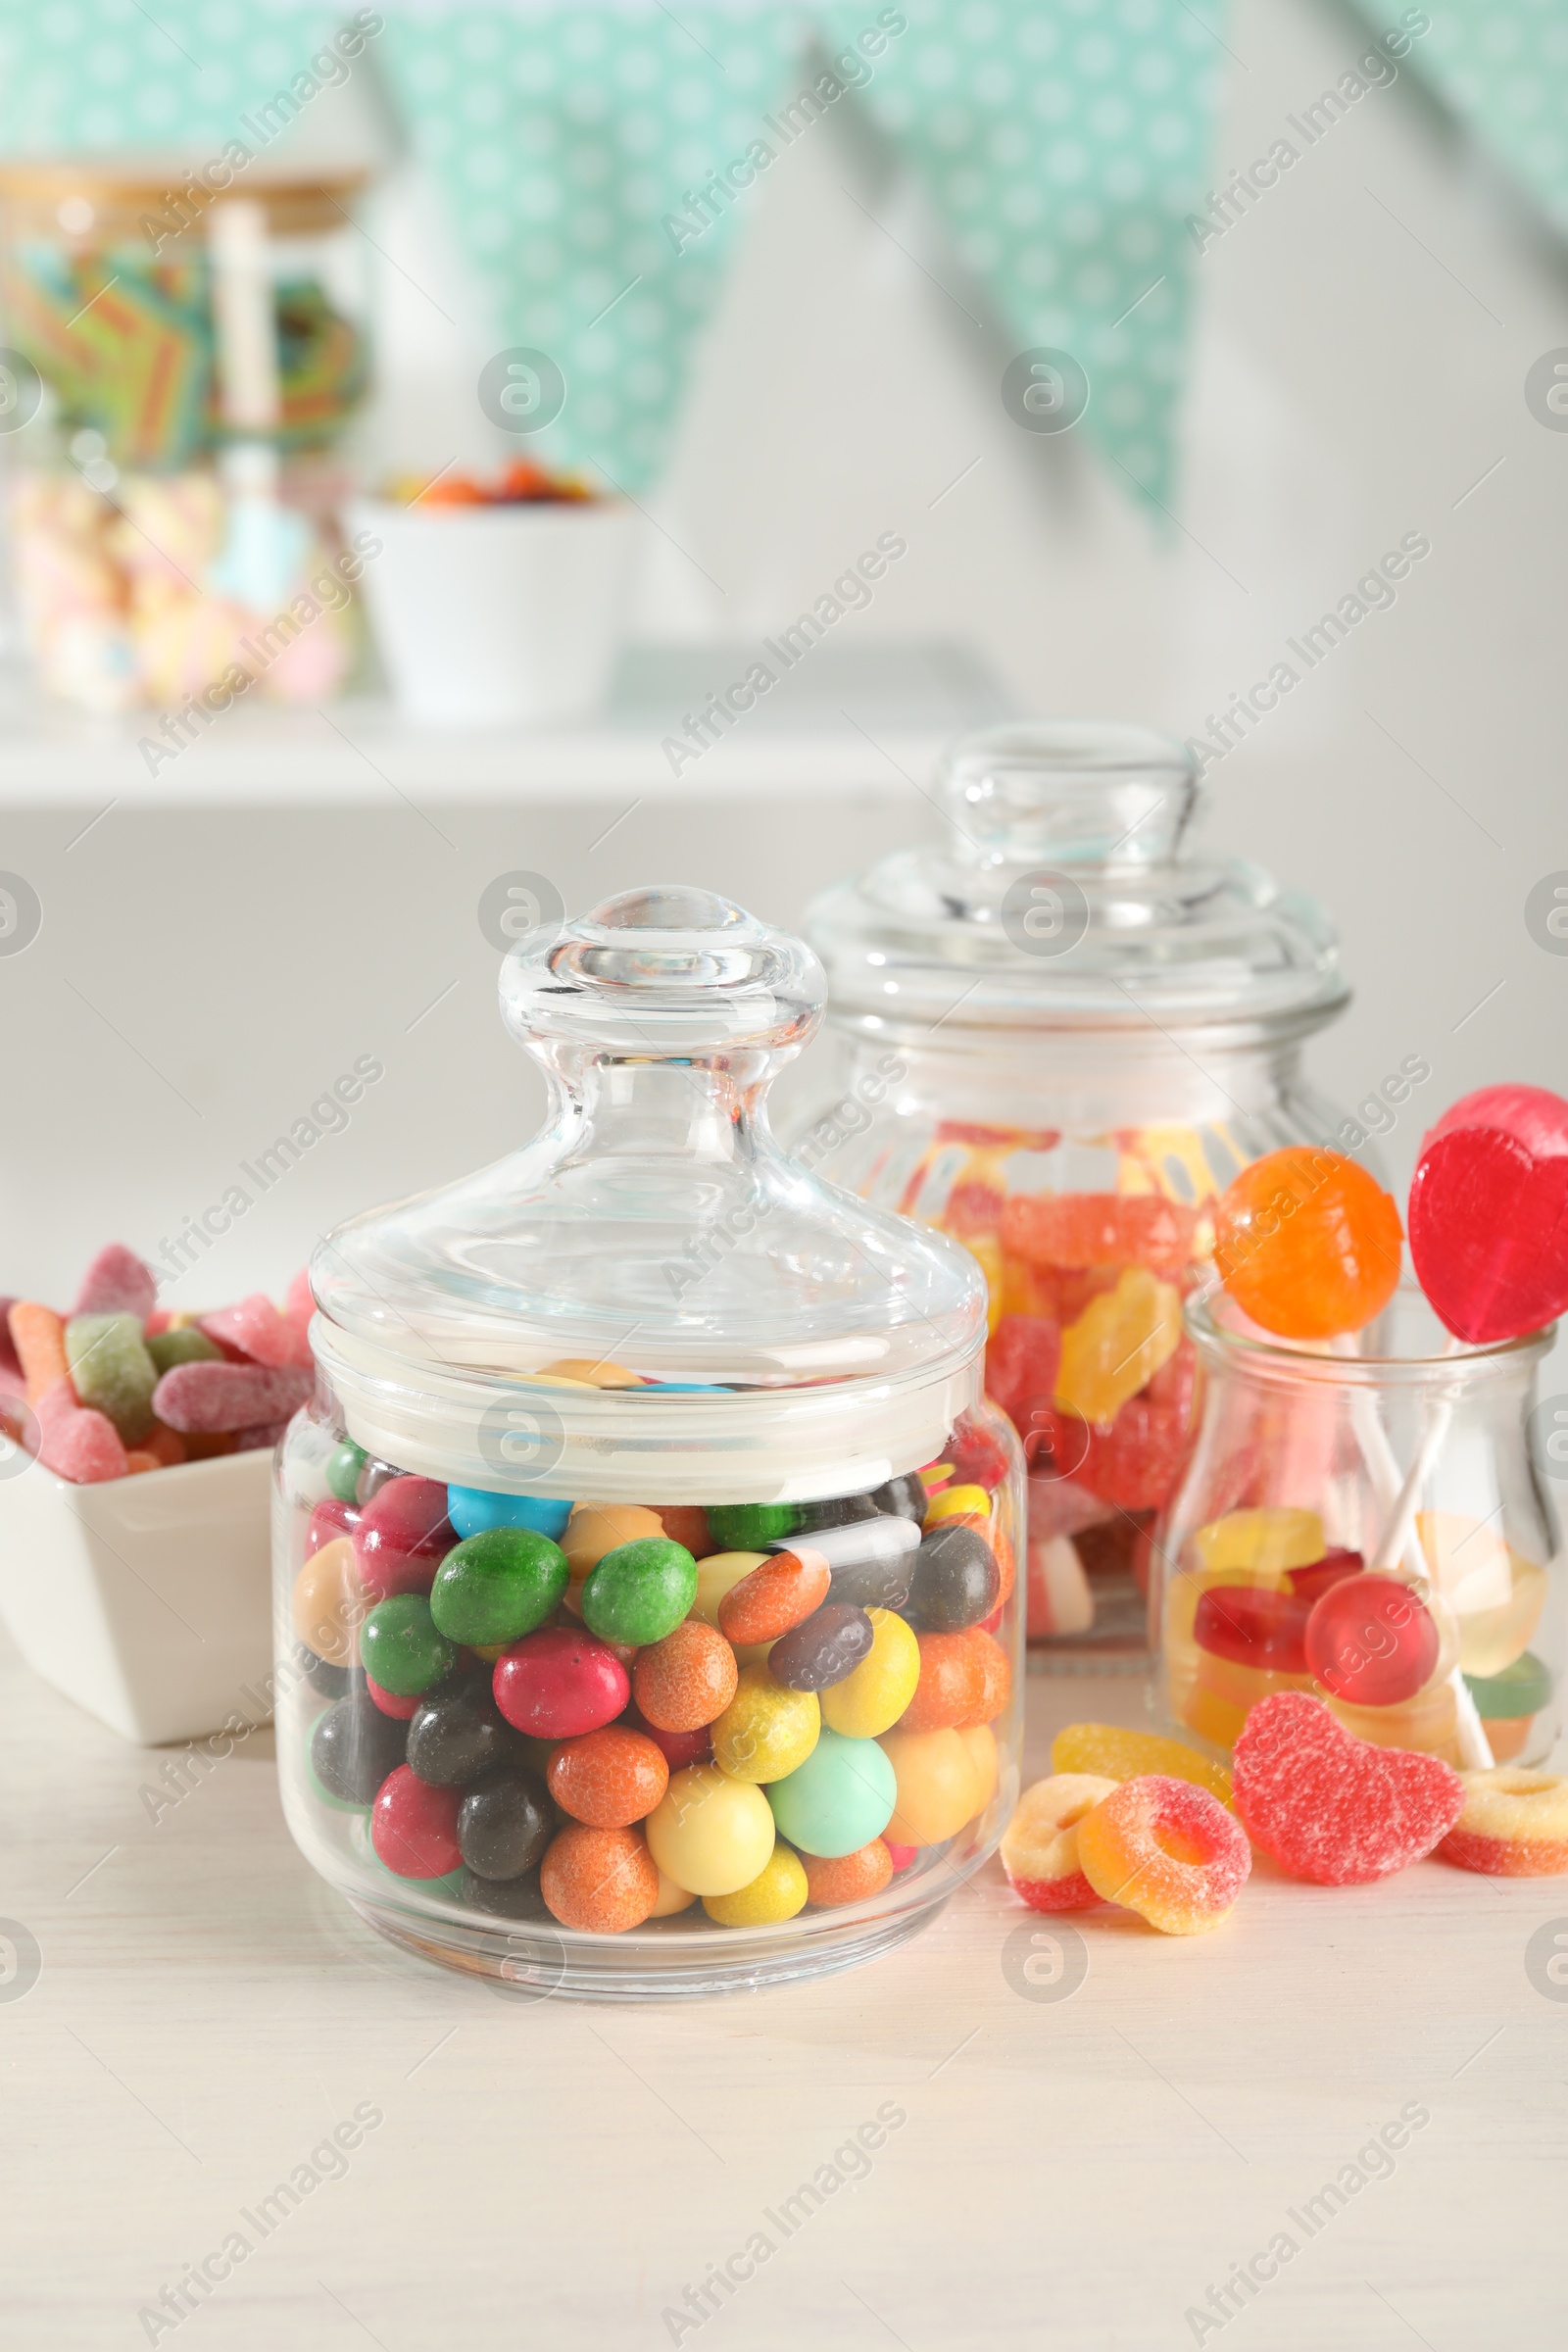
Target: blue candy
(472, 1511)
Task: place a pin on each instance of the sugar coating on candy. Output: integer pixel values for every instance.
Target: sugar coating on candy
(111, 1371)
(686, 1680)
(1333, 1808)
(256, 1328)
(75, 1443)
(1514, 1825)
(1040, 1844)
(38, 1336)
(228, 1396)
(298, 1309)
(767, 1731)
(1167, 1850)
(609, 1778)
(187, 1343)
(118, 1283)
(1099, 1229)
(600, 1881)
(836, 1879)
(1120, 1754)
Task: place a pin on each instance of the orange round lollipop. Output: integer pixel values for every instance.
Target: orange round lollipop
(1307, 1243)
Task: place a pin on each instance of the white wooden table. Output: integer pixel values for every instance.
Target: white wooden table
(1070, 2171)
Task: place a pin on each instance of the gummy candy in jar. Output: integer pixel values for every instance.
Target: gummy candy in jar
(646, 1572)
(1064, 1028)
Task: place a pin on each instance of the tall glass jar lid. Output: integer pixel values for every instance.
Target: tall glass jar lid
(1068, 893)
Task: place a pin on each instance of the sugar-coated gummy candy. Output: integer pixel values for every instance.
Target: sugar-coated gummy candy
(38, 1336)
(1117, 1753)
(599, 1882)
(354, 1746)
(709, 1832)
(505, 1824)
(343, 1466)
(456, 1734)
(777, 1893)
(839, 1798)
(185, 1343)
(871, 1562)
(832, 1880)
(873, 1695)
(506, 1898)
(329, 1603)
(1099, 1229)
(775, 1596)
(903, 1497)
(767, 1731)
(414, 1827)
(226, 1396)
(640, 1591)
(823, 1649)
(402, 1536)
(1488, 1212)
(609, 1778)
(111, 1371)
(1166, 1849)
(937, 1782)
(1307, 1243)
(1040, 1844)
(76, 1443)
(256, 1328)
(118, 1283)
(498, 1585)
(1331, 1807)
(404, 1647)
(560, 1682)
(686, 1680)
(955, 1581)
(1117, 1345)
(1514, 1825)
(1370, 1639)
(473, 1510)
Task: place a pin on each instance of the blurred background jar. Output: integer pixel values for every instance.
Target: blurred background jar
(196, 339)
(1064, 1030)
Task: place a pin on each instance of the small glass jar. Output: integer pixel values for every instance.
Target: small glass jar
(1064, 1033)
(184, 349)
(1365, 1521)
(644, 1584)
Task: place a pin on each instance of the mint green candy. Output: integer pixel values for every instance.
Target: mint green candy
(186, 1346)
(839, 1799)
(111, 1371)
(640, 1591)
(498, 1585)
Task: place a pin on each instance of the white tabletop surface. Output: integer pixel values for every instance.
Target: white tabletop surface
(1070, 2171)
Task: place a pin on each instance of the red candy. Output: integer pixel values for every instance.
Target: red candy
(560, 1682)
(330, 1518)
(117, 1283)
(401, 1709)
(228, 1396)
(679, 1749)
(1100, 1229)
(1332, 1808)
(1488, 1212)
(403, 1536)
(414, 1827)
(257, 1328)
(76, 1443)
(1254, 1627)
(1021, 1364)
(1371, 1640)
(1317, 1577)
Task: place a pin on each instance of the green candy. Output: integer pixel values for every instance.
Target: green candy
(343, 1468)
(839, 1799)
(640, 1591)
(499, 1585)
(111, 1371)
(1523, 1688)
(186, 1346)
(402, 1646)
(750, 1526)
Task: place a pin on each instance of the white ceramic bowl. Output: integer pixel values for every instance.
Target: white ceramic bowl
(497, 616)
(145, 1600)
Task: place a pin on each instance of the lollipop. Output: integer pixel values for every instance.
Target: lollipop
(1307, 1244)
(1488, 1214)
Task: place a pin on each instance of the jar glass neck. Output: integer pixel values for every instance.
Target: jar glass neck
(707, 1112)
(1094, 1080)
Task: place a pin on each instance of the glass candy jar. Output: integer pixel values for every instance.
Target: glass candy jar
(644, 1569)
(1064, 1033)
(1363, 1521)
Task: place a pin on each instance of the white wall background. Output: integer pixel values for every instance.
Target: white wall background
(1363, 344)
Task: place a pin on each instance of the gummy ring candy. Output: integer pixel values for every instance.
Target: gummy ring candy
(1514, 1825)
(1040, 1849)
(1167, 1850)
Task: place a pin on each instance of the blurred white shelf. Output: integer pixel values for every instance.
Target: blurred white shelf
(871, 718)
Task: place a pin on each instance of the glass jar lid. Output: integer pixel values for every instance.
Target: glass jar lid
(1068, 894)
(652, 1272)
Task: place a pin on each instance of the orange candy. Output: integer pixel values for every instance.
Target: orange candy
(1166, 1851)
(329, 1603)
(848, 1877)
(768, 1600)
(952, 1686)
(40, 1337)
(1307, 1244)
(609, 1778)
(602, 1880)
(996, 1675)
(686, 1523)
(687, 1679)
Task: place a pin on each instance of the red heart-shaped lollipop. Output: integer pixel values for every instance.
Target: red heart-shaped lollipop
(1331, 1807)
(1488, 1219)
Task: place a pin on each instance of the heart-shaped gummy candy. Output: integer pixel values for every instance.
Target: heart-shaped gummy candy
(1488, 1214)
(1331, 1807)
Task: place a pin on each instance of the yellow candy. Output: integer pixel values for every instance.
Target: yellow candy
(1118, 1754)
(671, 1898)
(765, 1731)
(956, 1502)
(1221, 1694)
(1269, 1539)
(981, 1743)
(870, 1700)
(1118, 1343)
(709, 1832)
(1496, 1597)
(776, 1894)
(714, 1577)
(939, 1787)
(581, 1372)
